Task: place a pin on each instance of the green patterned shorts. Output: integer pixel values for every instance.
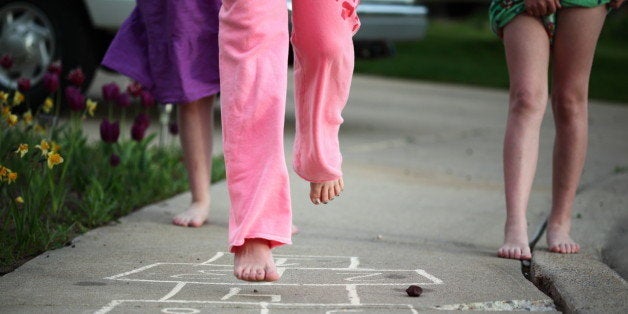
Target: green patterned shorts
(501, 12)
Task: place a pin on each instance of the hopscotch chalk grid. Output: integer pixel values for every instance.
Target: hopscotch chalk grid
(333, 280)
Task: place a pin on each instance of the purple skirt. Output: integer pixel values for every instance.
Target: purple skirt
(171, 48)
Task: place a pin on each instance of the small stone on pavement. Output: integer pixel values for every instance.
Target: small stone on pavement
(414, 291)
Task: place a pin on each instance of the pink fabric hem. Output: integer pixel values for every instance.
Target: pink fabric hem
(275, 241)
(314, 181)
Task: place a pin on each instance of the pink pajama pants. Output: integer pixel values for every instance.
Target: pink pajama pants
(253, 45)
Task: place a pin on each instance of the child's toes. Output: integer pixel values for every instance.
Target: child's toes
(331, 192)
(325, 195)
(516, 253)
(337, 189)
(315, 194)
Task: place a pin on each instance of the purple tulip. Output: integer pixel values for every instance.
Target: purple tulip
(140, 125)
(147, 99)
(23, 85)
(123, 100)
(109, 132)
(138, 132)
(110, 92)
(51, 82)
(173, 128)
(76, 77)
(143, 120)
(6, 61)
(114, 160)
(55, 68)
(75, 99)
(134, 89)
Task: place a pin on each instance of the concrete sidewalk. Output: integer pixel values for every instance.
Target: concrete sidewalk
(423, 205)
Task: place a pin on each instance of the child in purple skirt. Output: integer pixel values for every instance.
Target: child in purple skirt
(171, 48)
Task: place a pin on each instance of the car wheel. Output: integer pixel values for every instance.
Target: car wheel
(37, 33)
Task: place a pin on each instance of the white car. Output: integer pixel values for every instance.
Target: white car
(37, 32)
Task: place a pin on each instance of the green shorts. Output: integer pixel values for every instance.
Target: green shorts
(501, 12)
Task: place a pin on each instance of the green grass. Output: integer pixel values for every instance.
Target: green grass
(610, 67)
(467, 52)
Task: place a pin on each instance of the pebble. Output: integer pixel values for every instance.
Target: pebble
(414, 291)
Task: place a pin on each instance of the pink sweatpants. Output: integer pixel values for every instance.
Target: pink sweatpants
(253, 45)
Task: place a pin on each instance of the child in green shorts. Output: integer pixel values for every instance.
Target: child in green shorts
(529, 29)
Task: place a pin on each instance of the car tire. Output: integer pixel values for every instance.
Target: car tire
(60, 30)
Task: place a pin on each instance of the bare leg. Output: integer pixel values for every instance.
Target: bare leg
(253, 261)
(577, 33)
(196, 125)
(527, 55)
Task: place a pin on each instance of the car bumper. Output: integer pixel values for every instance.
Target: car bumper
(392, 22)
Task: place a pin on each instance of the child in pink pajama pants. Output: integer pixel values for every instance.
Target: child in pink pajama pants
(253, 54)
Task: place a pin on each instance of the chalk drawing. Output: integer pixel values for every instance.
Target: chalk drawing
(329, 274)
(180, 310)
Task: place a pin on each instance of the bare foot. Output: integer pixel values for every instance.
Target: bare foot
(295, 229)
(559, 241)
(325, 191)
(194, 216)
(254, 261)
(515, 241)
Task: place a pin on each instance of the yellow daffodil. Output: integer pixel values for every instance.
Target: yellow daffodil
(40, 129)
(12, 119)
(4, 171)
(11, 177)
(48, 104)
(44, 146)
(55, 147)
(27, 117)
(6, 110)
(91, 107)
(54, 159)
(18, 98)
(19, 200)
(4, 97)
(22, 150)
